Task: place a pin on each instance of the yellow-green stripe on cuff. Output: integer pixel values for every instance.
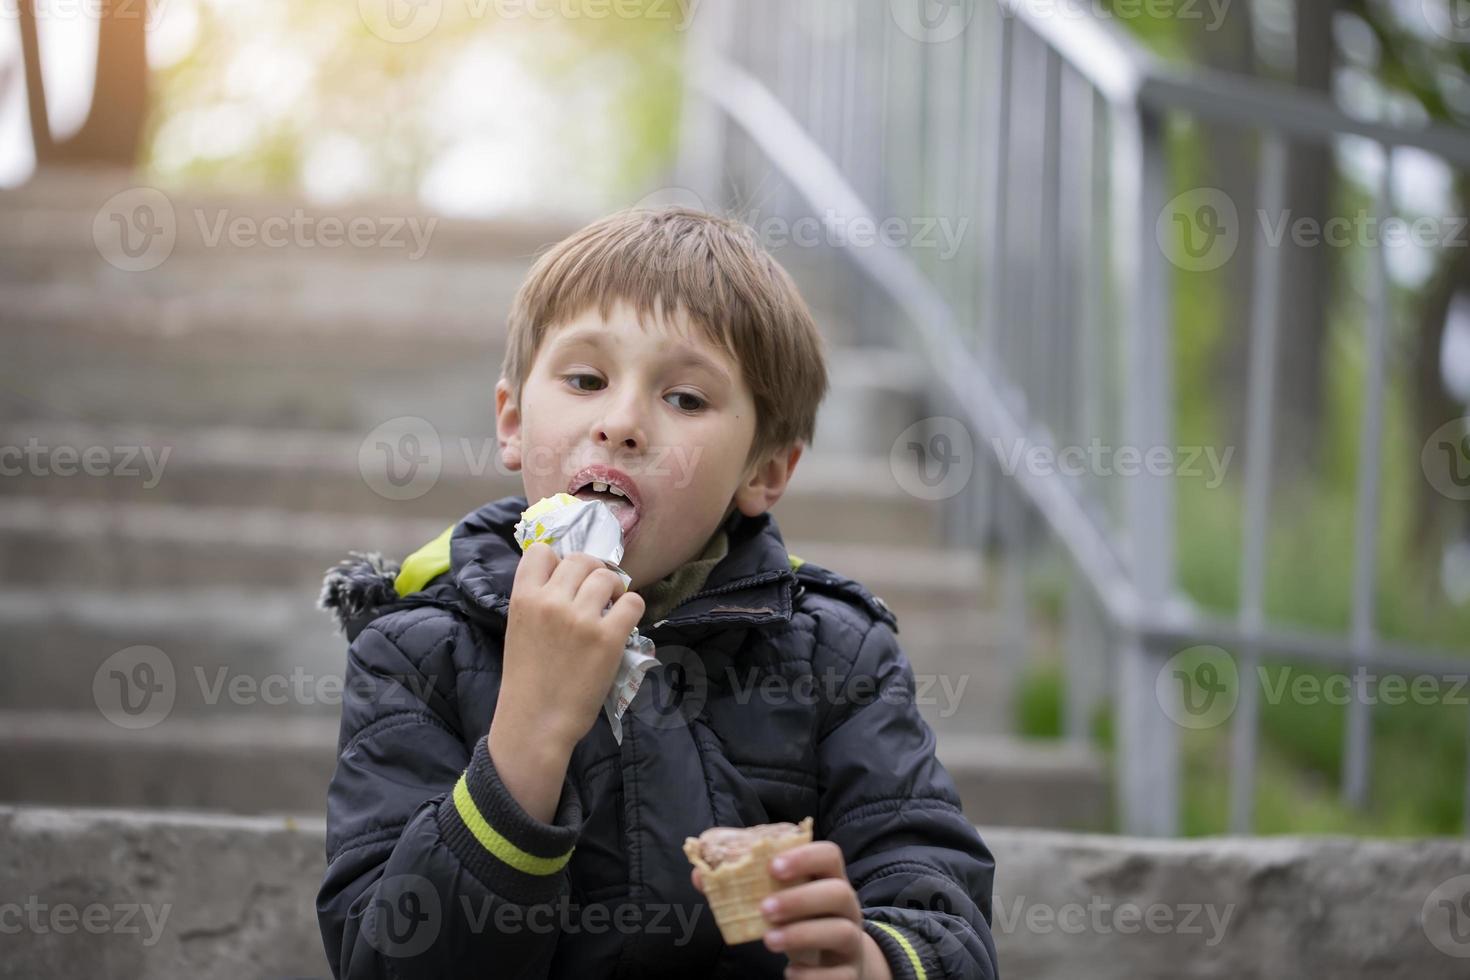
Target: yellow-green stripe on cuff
(906, 946)
(496, 844)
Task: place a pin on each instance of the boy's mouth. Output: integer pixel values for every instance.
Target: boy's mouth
(615, 489)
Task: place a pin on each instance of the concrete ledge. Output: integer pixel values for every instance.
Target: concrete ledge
(184, 895)
(234, 896)
(1111, 908)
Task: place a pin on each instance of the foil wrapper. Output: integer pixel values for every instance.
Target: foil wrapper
(571, 526)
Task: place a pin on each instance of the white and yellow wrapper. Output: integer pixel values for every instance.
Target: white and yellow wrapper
(571, 526)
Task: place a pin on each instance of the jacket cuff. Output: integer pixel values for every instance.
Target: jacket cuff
(515, 855)
(908, 955)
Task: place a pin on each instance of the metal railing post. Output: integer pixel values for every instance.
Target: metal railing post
(1148, 741)
(1260, 447)
(1357, 755)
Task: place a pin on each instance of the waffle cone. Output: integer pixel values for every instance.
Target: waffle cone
(735, 889)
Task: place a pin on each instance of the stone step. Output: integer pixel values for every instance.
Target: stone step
(228, 651)
(128, 547)
(265, 653)
(255, 766)
(306, 371)
(832, 498)
(57, 215)
(1007, 781)
(61, 229)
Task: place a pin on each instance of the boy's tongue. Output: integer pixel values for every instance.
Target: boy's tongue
(622, 508)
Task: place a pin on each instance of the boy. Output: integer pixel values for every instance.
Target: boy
(483, 821)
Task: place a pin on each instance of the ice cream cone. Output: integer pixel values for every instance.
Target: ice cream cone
(736, 885)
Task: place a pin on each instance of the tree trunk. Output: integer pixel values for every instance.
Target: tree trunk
(114, 125)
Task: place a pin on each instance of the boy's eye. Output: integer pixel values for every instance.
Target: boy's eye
(687, 401)
(573, 378)
(691, 403)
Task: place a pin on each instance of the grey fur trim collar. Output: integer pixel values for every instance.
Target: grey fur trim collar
(357, 584)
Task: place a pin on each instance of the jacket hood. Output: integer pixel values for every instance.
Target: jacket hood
(471, 569)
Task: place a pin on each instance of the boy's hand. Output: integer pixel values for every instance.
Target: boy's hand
(817, 920)
(561, 652)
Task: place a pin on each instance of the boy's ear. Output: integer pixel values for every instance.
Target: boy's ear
(508, 426)
(766, 480)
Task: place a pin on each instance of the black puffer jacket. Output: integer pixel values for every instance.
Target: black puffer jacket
(784, 695)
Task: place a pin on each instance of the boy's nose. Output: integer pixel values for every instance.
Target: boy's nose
(609, 436)
(619, 429)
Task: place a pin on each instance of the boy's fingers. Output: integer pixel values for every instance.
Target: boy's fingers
(597, 590)
(570, 572)
(698, 879)
(625, 614)
(536, 565)
(819, 859)
(807, 941)
(815, 899)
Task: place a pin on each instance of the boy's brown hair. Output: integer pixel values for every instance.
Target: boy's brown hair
(714, 268)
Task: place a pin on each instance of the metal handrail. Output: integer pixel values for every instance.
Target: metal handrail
(767, 122)
(1130, 579)
(1128, 74)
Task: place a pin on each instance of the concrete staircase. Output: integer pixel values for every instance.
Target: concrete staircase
(253, 379)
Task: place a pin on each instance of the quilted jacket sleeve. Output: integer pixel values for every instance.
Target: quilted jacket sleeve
(921, 871)
(433, 869)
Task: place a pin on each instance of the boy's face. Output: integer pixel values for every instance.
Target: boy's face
(650, 407)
